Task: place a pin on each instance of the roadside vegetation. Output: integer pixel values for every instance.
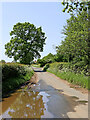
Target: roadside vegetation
(26, 43)
(70, 73)
(14, 75)
(71, 61)
(74, 73)
(45, 60)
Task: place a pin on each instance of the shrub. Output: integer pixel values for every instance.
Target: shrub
(12, 70)
(46, 67)
(47, 59)
(13, 75)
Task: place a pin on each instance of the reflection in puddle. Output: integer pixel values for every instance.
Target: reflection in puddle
(74, 98)
(41, 101)
(84, 102)
(28, 105)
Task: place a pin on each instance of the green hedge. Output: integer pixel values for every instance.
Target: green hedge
(46, 67)
(13, 75)
(12, 70)
(76, 68)
(72, 73)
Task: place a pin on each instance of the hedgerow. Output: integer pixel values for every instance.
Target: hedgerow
(13, 75)
(75, 74)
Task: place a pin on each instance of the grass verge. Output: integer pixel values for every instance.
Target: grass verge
(74, 78)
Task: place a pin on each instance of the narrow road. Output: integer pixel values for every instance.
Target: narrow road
(63, 101)
(50, 97)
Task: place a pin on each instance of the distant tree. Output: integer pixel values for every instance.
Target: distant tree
(49, 58)
(26, 42)
(46, 59)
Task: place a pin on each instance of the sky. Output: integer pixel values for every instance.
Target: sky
(48, 15)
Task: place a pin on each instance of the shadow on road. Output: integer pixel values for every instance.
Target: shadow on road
(39, 71)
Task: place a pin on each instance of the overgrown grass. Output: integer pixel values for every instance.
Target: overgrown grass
(17, 75)
(75, 78)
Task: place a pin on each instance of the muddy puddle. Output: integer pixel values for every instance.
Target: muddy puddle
(27, 104)
(40, 101)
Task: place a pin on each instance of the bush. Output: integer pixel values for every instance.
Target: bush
(47, 59)
(13, 75)
(41, 62)
(46, 67)
(12, 70)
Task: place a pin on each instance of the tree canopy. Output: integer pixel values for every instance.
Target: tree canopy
(75, 5)
(75, 45)
(46, 59)
(49, 57)
(26, 42)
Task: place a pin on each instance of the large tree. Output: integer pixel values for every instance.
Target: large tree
(76, 7)
(75, 45)
(26, 42)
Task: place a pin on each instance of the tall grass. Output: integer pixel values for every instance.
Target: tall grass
(72, 77)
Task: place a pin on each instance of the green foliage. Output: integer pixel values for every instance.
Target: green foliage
(60, 57)
(47, 59)
(26, 42)
(46, 67)
(13, 75)
(69, 73)
(12, 70)
(75, 46)
(2, 61)
(75, 5)
(41, 62)
(0, 71)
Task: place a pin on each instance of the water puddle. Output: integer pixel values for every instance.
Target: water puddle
(40, 101)
(84, 102)
(26, 104)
